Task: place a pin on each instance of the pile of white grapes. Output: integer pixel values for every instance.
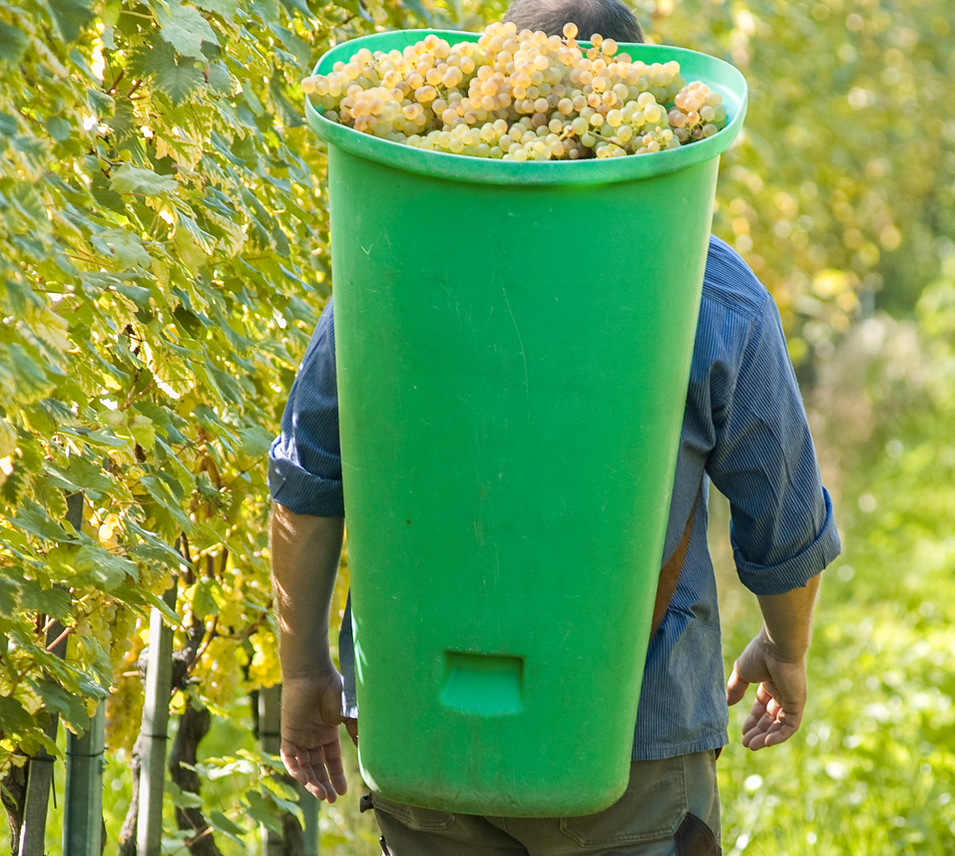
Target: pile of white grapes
(518, 96)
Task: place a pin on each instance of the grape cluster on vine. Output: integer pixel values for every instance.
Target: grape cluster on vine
(518, 96)
(101, 620)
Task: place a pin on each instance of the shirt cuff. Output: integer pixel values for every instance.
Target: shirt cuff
(302, 492)
(796, 571)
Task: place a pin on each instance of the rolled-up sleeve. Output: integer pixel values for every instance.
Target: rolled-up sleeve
(782, 527)
(305, 470)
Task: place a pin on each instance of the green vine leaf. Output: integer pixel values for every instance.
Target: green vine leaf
(13, 44)
(179, 81)
(131, 179)
(184, 27)
(58, 701)
(71, 17)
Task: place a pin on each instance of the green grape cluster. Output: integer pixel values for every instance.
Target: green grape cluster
(125, 701)
(697, 112)
(518, 96)
(106, 621)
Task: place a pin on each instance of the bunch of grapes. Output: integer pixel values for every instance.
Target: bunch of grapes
(518, 96)
(125, 701)
(697, 112)
(102, 621)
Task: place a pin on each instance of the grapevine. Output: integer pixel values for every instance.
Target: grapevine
(518, 96)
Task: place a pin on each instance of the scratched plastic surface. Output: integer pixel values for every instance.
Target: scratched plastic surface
(513, 351)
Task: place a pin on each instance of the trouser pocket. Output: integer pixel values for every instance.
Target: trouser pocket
(651, 809)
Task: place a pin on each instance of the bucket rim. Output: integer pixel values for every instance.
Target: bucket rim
(720, 75)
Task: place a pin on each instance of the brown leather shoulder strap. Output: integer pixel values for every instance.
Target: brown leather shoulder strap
(670, 572)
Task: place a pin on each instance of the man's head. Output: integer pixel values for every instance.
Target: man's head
(610, 18)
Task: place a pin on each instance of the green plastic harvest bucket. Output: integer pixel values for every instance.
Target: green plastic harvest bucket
(513, 344)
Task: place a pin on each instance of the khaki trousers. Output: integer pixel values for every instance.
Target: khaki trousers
(670, 808)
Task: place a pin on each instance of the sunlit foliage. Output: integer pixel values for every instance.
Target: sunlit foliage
(843, 188)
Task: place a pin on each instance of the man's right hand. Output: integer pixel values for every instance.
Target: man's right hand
(311, 749)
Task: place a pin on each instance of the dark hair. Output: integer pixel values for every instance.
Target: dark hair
(610, 18)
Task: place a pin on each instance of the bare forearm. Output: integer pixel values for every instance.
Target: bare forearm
(305, 555)
(787, 620)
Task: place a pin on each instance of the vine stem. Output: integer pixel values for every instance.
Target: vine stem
(191, 842)
(66, 632)
(115, 83)
(213, 633)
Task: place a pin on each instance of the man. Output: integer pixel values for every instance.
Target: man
(744, 429)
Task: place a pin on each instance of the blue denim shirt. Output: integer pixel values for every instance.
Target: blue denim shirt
(744, 429)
